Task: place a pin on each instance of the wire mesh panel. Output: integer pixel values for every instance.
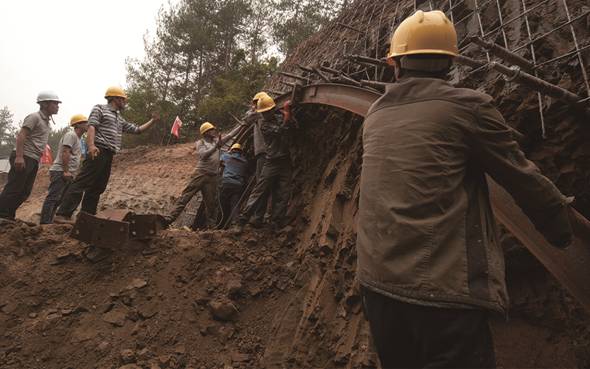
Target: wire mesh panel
(497, 36)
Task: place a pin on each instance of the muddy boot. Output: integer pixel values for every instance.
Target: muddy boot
(6, 221)
(257, 223)
(166, 221)
(238, 227)
(62, 219)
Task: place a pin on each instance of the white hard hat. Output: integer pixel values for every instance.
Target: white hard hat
(48, 96)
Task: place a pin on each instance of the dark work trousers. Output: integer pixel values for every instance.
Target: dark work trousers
(258, 216)
(415, 336)
(57, 187)
(90, 183)
(229, 196)
(19, 185)
(275, 179)
(207, 184)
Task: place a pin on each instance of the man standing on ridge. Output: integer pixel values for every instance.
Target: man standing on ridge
(430, 263)
(205, 177)
(275, 178)
(65, 167)
(24, 160)
(105, 130)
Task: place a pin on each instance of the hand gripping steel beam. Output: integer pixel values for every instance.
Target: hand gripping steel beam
(571, 267)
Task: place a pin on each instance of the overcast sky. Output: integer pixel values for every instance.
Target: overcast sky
(75, 47)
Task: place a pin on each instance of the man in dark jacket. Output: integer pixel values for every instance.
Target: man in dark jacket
(276, 172)
(430, 263)
(259, 155)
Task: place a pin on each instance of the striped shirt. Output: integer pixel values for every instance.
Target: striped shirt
(109, 125)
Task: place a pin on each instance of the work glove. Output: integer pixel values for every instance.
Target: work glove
(287, 112)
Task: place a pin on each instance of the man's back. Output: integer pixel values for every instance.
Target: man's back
(426, 231)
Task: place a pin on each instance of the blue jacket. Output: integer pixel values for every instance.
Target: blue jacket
(235, 168)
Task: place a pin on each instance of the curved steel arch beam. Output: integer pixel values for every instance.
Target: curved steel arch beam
(354, 99)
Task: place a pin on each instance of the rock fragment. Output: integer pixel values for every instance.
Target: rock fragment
(223, 310)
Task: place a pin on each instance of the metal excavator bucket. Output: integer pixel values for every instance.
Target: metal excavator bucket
(114, 228)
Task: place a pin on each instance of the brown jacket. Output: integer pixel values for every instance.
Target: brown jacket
(426, 232)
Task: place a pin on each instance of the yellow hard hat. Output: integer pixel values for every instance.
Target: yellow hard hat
(424, 33)
(78, 118)
(115, 91)
(206, 127)
(258, 96)
(236, 146)
(265, 103)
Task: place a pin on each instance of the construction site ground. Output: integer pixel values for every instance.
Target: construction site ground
(211, 299)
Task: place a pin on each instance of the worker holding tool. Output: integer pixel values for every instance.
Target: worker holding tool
(252, 117)
(105, 130)
(233, 180)
(65, 166)
(24, 160)
(275, 177)
(430, 263)
(205, 176)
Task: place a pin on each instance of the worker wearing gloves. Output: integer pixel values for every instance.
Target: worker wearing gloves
(275, 177)
(205, 176)
(105, 132)
(24, 160)
(260, 157)
(65, 166)
(430, 263)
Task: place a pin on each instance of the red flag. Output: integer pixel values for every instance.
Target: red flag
(176, 127)
(46, 158)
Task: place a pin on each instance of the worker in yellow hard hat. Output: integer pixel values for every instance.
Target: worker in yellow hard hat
(104, 136)
(275, 177)
(259, 152)
(234, 166)
(205, 176)
(430, 263)
(30, 144)
(65, 166)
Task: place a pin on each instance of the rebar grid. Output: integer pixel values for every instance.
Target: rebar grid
(471, 17)
(534, 58)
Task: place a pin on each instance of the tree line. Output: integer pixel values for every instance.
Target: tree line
(209, 57)
(205, 61)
